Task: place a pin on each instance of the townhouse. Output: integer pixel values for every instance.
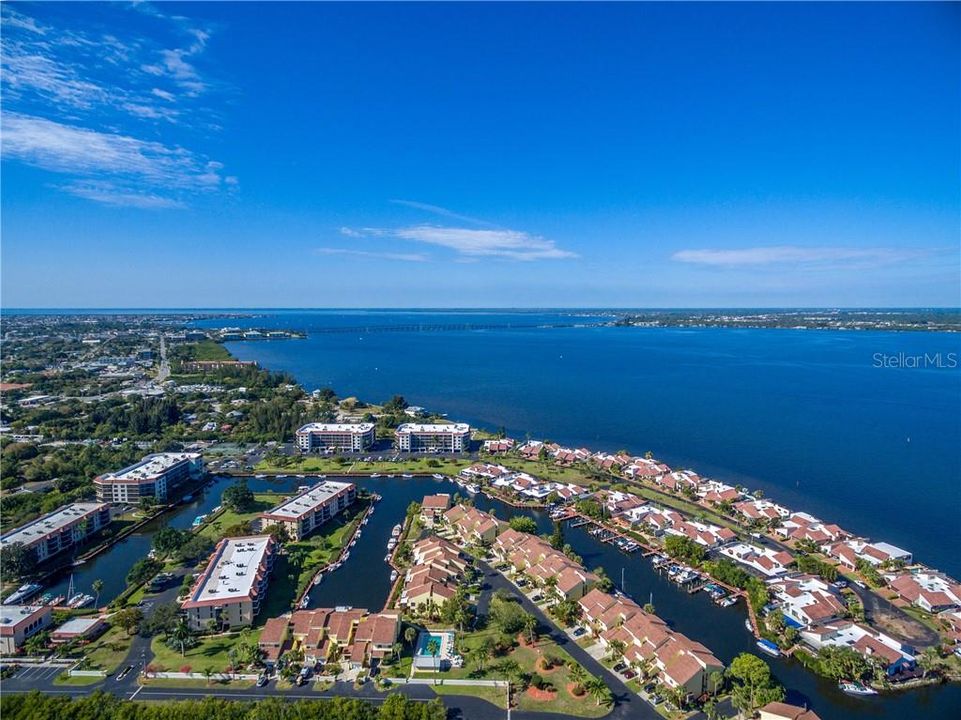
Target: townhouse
(354, 635)
(892, 655)
(713, 492)
(549, 568)
(802, 526)
(765, 561)
(435, 438)
(761, 510)
(929, 590)
(473, 525)
(499, 447)
(433, 507)
(311, 508)
(529, 486)
(230, 591)
(783, 711)
(648, 642)
(155, 476)
(807, 600)
(662, 521)
(346, 437)
(59, 531)
(645, 469)
(437, 567)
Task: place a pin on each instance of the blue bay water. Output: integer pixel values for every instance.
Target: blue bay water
(804, 415)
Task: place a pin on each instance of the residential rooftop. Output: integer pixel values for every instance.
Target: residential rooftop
(232, 570)
(438, 429)
(50, 523)
(151, 466)
(308, 500)
(364, 427)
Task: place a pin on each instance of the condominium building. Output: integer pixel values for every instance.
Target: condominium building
(231, 589)
(61, 530)
(439, 438)
(155, 476)
(311, 508)
(19, 622)
(352, 437)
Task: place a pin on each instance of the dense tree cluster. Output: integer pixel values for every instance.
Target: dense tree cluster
(238, 497)
(683, 548)
(103, 706)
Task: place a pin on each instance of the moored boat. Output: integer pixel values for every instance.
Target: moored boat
(849, 687)
(23, 592)
(766, 646)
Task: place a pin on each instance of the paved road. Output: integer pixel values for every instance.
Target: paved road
(628, 704)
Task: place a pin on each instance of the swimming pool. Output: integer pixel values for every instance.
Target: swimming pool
(445, 644)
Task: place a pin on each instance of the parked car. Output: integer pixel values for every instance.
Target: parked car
(262, 680)
(629, 674)
(579, 631)
(620, 667)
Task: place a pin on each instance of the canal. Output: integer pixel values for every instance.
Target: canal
(364, 581)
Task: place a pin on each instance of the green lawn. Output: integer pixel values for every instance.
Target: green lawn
(495, 696)
(527, 658)
(334, 466)
(79, 681)
(211, 652)
(214, 685)
(109, 650)
(228, 518)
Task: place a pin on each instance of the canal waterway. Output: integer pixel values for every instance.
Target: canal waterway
(364, 581)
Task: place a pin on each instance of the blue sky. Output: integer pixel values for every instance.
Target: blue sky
(321, 155)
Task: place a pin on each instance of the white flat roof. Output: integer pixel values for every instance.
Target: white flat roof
(234, 571)
(892, 550)
(10, 615)
(438, 429)
(151, 466)
(338, 427)
(42, 526)
(308, 499)
(78, 626)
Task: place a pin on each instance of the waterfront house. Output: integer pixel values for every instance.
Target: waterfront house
(764, 560)
(848, 552)
(546, 566)
(807, 600)
(473, 525)
(928, 589)
(874, 645)
(499, 447)
(761, 510)
(351, 634)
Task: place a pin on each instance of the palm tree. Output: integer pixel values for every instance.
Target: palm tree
(511, 670)
(410, 634)
(208, 673)
(928, 660)
(97, 586)
(483, 653)
(578, 675)
(617, 648)
(599, 691)
(181, 634)
(530, 627)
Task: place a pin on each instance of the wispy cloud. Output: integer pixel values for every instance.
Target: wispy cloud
(797, 255)
(77, 101)
(94, 156)
(443, 212)
(406, 257)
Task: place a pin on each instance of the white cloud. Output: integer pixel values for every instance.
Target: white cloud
(91, 155)
(793, 254)
(111, 194)
(163, 95)
(438, 210)
(11, 18)
(407, 257)
(471, 243)
(26, 69)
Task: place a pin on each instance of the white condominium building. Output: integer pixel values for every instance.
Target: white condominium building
(231, 589)
(308, 510)
(449, 438)
(154, 477)
(60, 530)
(354, 437)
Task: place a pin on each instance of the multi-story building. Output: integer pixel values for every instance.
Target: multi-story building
(155, 476)
(439, 438)
(19, 622)
(433, 507)
(308, 510)
(351, 437)
(231, 589)
(61, 530)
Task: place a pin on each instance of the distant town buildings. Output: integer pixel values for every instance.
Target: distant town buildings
(350, 437)
(196, 366)
(61, 530)
(438, 438)
(311, 508)
(20, 622)
(155, 476)
(231, 589)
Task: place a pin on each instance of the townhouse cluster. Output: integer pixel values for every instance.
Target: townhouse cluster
(549, 568)
(353, 636)
(631, 511)
(649, 644)
(437, 567)
(524, 484)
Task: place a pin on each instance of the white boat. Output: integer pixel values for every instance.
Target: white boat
(855, 688)
(387, 557)
(766, 646)
(393, 575)
(22, 593)
(346, 555)
(473, 489)
(260, 477)
(300, 477)
(747, 625)
(375, 475)
(305, 602)
(406, 475)
(438, 476)
(318, 579)
(81, 601)
(396, 530)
